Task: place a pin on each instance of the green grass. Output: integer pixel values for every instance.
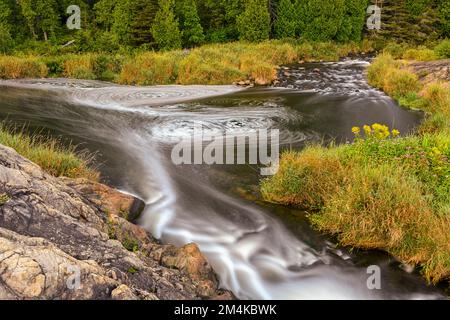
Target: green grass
(390, 194)
(49, 154)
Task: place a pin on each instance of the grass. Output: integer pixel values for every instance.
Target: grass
(16, 68)
(209, 64)
(390, 194)
(49, 154)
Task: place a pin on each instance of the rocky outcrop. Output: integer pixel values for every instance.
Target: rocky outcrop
(70, 239)
(432, 71)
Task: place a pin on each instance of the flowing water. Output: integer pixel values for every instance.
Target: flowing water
(259, 251)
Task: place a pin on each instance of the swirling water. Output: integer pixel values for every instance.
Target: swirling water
(259, 251)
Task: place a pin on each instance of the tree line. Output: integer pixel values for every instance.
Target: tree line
(107, 25)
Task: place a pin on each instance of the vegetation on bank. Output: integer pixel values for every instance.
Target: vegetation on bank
(393, 77)
(208, 64)
(50, 154)
(383, 191)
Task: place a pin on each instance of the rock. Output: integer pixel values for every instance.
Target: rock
(317, 70)
(123, 292)
(68, 239)
(191, 262)
(107, 199)
(432, 71)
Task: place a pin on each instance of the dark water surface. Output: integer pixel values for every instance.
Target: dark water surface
(259, 251)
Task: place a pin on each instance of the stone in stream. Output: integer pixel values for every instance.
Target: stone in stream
(69, 239)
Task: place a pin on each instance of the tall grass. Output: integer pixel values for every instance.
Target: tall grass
(16, 68)
(393, 77)
(389, 194)
(49, 153)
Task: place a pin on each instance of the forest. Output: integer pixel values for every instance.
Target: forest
(111, 25)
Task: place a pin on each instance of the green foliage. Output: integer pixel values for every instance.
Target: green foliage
(442, 50)
(444, 14)
(6, 41)
(254, 23)
(319, 20)
(165, 29)
(192, 29)
(286, 22)
(353, 21)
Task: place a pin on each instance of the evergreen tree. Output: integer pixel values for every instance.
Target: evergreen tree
(254, 23)
(144, 15)
(353, 21)
(165, 29)
(319, 20)
(286, 23)
(444, 15)
(191, 28)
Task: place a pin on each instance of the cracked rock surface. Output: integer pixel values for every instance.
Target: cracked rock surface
(70, 239)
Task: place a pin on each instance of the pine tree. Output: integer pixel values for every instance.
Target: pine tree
(144, 15)
(319, 20)
(285, 23)
(254, 23)
(353, 21)
(191, 28)
(165, 29)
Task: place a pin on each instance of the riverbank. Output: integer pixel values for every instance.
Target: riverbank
(384, 191)
(72, 238)
(229, 63)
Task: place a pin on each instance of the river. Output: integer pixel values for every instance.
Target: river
(259, 251)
